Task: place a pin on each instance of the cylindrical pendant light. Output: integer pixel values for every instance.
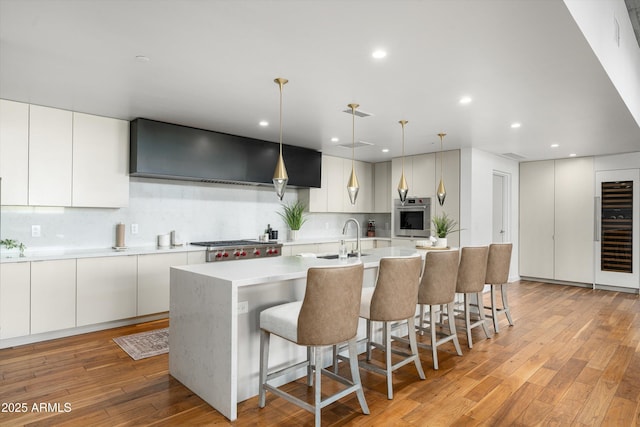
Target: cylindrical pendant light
(403, 188)
(441, 192)
(280, 177)
(352, 186)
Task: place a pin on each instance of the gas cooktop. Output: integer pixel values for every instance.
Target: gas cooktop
(234, 243)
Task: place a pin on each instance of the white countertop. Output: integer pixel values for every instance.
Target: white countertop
(62, 253)
(316, 240)
(268, 270)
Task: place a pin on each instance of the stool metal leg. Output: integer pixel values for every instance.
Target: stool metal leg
(494, 309)
(451, 318)
(434, 338)
(318, 385)
(355, 375)
(264, 365)
(413, 343)
(482, 317)
(505, 303)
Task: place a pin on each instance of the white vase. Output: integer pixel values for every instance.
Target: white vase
(441, 242)
(293, 235)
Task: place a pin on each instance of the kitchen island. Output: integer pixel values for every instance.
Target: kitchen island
(214, 316)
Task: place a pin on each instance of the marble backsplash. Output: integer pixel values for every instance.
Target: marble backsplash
(196, 211)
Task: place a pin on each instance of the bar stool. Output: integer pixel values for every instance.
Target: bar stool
(327, 316)
(438, 289)
(393, 299)
(471, 276)
(497, 275)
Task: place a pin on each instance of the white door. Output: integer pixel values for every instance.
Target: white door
(616, 234)
(499, 204)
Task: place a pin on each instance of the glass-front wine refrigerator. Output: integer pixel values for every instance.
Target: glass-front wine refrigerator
(617, 228)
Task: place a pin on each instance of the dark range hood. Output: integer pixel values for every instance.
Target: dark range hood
(168, 151)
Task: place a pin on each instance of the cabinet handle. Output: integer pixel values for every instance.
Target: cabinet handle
(597, 218)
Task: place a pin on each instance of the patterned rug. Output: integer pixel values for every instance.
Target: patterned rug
(145, 344)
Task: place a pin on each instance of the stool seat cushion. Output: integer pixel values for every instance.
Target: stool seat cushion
(282, 320)
(365, 302)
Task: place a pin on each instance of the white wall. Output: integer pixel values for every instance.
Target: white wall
(476, 200)
(197, 211)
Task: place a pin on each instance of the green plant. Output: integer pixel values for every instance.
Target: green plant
(10, 244)
(443, 225)
(293, 215)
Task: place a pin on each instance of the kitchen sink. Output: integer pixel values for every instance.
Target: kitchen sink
(335, 256)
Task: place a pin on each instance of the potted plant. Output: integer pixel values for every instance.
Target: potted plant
(443, 225)
(294, 216)
(10, 244)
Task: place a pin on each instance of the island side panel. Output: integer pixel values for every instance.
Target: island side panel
(203, 338)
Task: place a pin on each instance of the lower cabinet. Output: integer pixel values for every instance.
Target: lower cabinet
(106, 289)
(15, 289)
(153, 281)
(53, 295)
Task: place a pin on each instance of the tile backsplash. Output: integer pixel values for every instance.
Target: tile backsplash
(196, 211)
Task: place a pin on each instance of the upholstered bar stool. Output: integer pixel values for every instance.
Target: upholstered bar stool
(393, 299)
(497, 275)
(471, 277)
(438, 290)
(327, 316)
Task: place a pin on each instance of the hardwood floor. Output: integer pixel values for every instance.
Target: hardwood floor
(572, 358)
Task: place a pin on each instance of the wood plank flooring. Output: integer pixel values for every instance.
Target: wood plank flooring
(572, 358)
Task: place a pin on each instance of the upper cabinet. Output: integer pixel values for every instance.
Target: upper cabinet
(53, 157)
(100, 161)
(333, 196)
(50, 154)
(14, 152)
(381, 187)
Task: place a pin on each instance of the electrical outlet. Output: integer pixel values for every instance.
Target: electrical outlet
(35, 231)
(134, 228)
(243, 307)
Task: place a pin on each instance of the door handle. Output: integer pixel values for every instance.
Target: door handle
(597, 217)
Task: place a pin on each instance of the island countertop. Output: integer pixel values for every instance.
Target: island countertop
(268, 270)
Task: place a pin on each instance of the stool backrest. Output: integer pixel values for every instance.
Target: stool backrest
(498, 263)
(396, 292)
(331, 305)
(438, 285)
(472, 269)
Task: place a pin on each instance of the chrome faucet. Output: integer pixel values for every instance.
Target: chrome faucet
(344, 231)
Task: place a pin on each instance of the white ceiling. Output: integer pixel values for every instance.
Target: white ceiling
(212, 64)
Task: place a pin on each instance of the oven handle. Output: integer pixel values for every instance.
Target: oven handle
(410, 208)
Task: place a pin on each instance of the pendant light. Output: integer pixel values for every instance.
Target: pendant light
(352, 186)
(441, 193)
(403, 188)
(280, 177)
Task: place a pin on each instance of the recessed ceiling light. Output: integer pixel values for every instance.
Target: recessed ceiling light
(335, 139)
(263, 123)
(379, 54)
(572, 155)
(385, 150)
(515, 125)
(465, 100)
(142, 58)
(555, 145)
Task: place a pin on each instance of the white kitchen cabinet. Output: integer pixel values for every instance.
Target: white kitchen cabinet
(300, 249)
(153, 281)
(382, 243)
(333, 196)
(15, 288)
(100, 161)
(451, 176)
(336, 183)
(556, 219)
(381, 187)
(196, 257)
(106, 289)
(423, 177)
(14, 152)
(50, 156)
(53, 295)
